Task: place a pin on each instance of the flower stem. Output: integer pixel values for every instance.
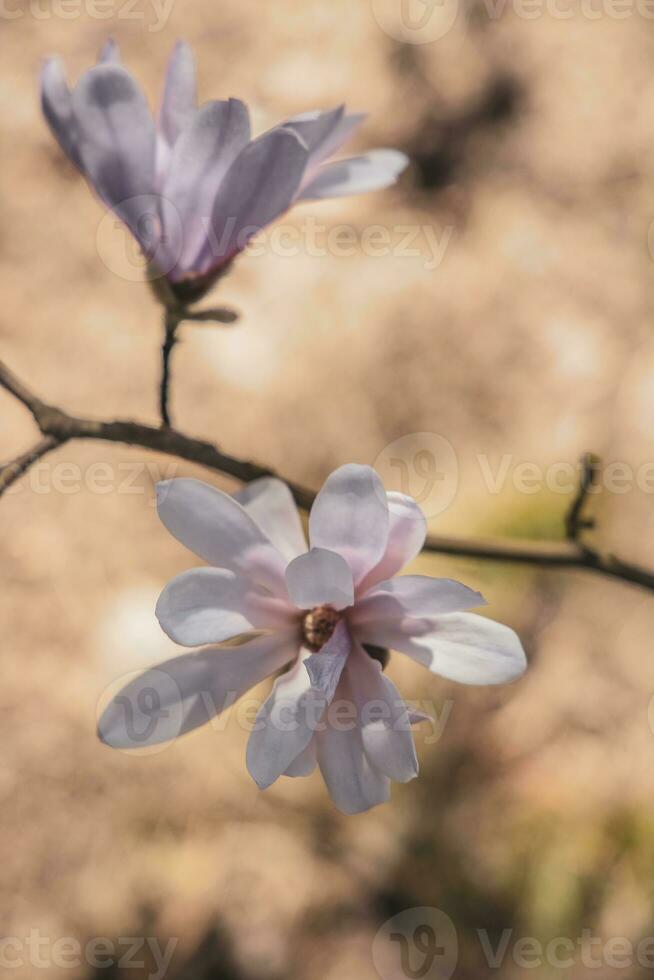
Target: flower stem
(171, 323)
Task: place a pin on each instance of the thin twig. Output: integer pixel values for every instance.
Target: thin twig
(58, 427)
(171, 323)
(11, 471)
(575, 522)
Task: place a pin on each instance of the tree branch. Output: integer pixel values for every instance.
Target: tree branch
(57, 428)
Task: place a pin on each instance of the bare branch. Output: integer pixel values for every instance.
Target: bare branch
(58, 427)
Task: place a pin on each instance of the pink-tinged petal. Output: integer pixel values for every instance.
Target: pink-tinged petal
(56, 102)
(117, 146)
(109, 52)
(305, 762)
(201, 157)
(407, 530)
(325, 667)
(284, 726)
(260, 185)
(350, 516)
(354, 784)
(418, 717)
(318, 578)
(187, 692)
(270, 504)
(418, 596)
(384, 719)
(180, 99)
(357, 175)
(214, 526)
(209, 605)
(460, 646)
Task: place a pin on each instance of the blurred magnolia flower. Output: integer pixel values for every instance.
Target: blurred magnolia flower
(193, 187)
(317, 613)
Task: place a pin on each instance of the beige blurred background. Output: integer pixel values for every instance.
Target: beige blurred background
(524, 337)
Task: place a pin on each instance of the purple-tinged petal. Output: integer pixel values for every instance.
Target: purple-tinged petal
(350, 516)
(201, 157)
(180, 99)
(56, 102)
(305, 762)
(209, 605)
(384, 719)
(462, 647)
(325, 667)
(354, 784)
(357, 175)
(407, 530)
(323, 133)
(284, 726)
(270, 504)
(215, 526)
(320, 578)
(418, 596)
(110, 52)
(260, 185)
(117, 145)
(188, 691)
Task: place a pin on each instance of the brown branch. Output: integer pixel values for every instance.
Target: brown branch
(58, 427)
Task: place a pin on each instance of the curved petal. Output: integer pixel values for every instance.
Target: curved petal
(350, 516)
(323, 133)
(354, 784)
(259, 186)
(320, 577)
(407, 530)
(371, 172)
(202, 155)
(179, 100)
(384, 719)
(270, 504)
(56, 102)
(305, 762)
(209, 605)
(284, 726)
(215, 526)
(460, 646)
(109, 52)
(325, 667)
(117, 145)
(418, 596)
(188, 691)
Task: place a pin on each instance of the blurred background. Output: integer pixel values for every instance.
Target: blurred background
(506, 322)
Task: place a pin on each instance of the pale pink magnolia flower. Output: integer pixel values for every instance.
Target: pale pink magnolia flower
(317, 611)
(192, 186)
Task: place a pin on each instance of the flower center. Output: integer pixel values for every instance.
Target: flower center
(318, 626)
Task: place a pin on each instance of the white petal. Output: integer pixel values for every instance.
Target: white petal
(418, 596)
(180, 93)
(56, 102)
(284, 726)
(350, 516)
(384, 719)
(325, 667)
(202, 155)
(371, 172)
(209, 605)
(269, 502)
(182, 694)
(320, 577)
(354, 784)
(460, 646)
(215, 526)
(407, 530)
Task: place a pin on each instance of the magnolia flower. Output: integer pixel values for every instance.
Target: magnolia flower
(193, 187)
(315, 613)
